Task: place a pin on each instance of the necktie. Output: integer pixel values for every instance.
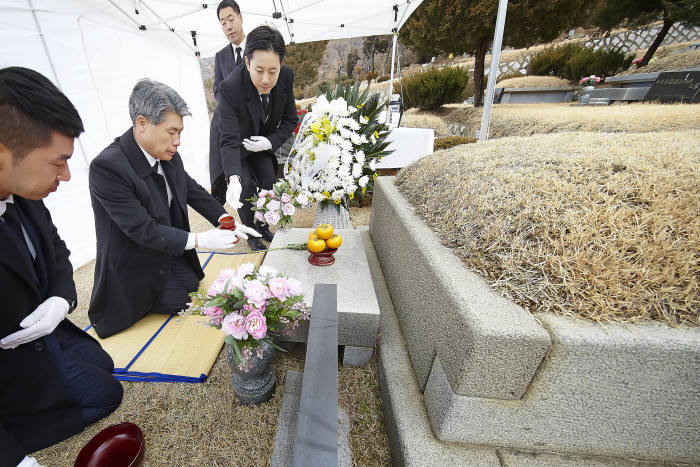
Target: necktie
(12, 220)
(239, 59)
(160, 181)
(266, 105)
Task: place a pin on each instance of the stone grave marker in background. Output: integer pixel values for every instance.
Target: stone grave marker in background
(676, 87)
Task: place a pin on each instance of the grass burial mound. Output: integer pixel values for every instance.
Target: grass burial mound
(599, 226)
(533, 82)
(532, 119)
(671, 62)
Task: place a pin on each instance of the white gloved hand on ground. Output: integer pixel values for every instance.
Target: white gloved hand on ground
(257, 144)
(233, 193)
(216, 239)
(39, 323)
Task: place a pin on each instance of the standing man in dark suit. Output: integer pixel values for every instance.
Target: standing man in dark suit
(54, 379)
(257, 114)
(226, 59)
(146, 259)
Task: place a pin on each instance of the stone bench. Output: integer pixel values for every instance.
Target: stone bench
(358, 310)
(538, 95)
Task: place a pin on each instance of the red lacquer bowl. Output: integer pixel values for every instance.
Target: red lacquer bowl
(228, 223)
(120, 445)
(324, 258)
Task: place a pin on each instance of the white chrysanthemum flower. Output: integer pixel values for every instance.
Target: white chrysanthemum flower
(363, 119)
(360, 157)
(373, 164)
(363, 181)
(357, 170)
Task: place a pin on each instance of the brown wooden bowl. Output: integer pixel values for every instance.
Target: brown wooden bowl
(120, 445)
(324, 258)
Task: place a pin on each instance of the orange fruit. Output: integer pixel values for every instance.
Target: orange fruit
(312, 234)
(324, 231)
(316, 245)
(334, 242)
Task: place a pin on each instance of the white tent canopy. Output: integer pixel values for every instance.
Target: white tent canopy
(95, 50)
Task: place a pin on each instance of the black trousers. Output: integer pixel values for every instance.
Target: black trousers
(181, 280)
(257, 171)
(87, 372)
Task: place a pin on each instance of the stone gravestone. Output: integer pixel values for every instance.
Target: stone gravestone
(676, 86)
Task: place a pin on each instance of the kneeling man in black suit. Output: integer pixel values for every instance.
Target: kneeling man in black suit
(146, 258)
(54, 379)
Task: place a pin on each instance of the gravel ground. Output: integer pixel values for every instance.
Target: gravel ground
(202, 424)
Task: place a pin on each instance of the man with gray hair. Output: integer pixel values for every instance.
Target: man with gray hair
(146, 259)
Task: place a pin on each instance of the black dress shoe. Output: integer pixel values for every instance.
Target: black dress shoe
(256, 244)
(265, 232)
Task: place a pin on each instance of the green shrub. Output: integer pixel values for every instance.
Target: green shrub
(450, 141)
(431, 88)
(572, 61)
(383, 78)
(596, 62)
(551, 61)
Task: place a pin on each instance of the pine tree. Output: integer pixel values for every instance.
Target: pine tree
(635, 13)
(467, 26)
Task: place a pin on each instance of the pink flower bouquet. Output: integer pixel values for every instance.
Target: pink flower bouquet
(590, 80)
(251, 305)
(277, 206)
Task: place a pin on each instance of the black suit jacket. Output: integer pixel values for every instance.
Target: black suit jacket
(241, 116)
(135, 241)
(35, 410)
(224, 63)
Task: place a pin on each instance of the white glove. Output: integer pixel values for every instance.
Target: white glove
(242, 231)
(257, 144)
(216, 239)
(233, 192)
(39, 323)
(29, 462)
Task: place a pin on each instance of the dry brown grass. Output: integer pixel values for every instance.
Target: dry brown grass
(202, 424)
(593, 225)
(670, 62)
(413, 118)
(534, 82)
(531, 119)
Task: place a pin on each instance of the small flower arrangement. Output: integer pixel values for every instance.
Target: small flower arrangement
(251, 305)
(637, 61)
(277, 206)
(340, 141)
(590, 80)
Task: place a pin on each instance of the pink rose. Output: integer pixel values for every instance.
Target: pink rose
(256, 293)
(245, 269)
(288, 209)
(259, 216)
(266, 271)
(234, 325)
(273, 205)
(302, 199)
(278, 287)
(294, 286)
(256, 325)
(286, 198)
(260, 203)
(272, 217)
(214, 313)
(217, 286)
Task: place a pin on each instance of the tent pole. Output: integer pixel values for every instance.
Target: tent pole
(495, 57)
(393, 59)
(53, 68)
